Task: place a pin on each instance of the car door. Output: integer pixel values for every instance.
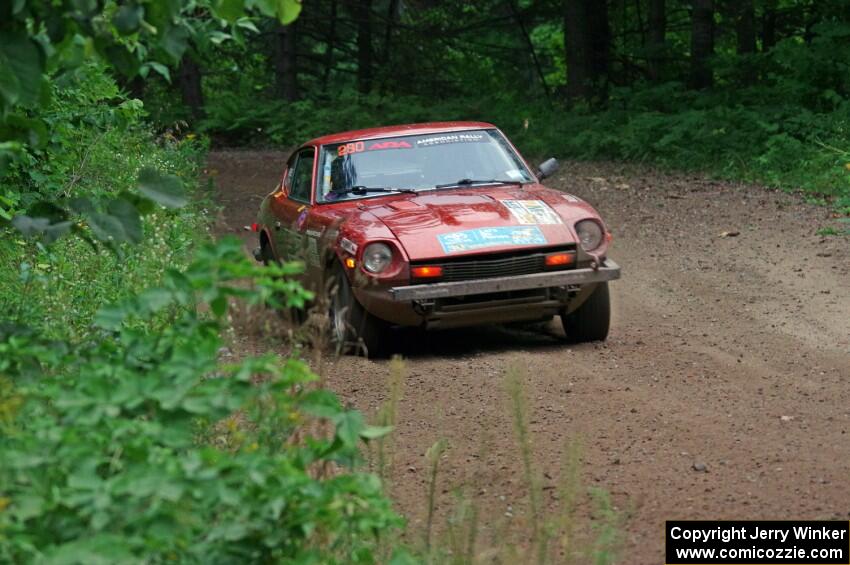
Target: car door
(292, 207)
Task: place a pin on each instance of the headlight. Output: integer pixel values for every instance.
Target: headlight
(377, 257)
(589, 234)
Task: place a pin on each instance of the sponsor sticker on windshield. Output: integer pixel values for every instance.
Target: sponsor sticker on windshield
(532, 212)
(384, 145)
(491, 237)
(466, 137)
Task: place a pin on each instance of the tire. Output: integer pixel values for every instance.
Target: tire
(591, 320)
(352, 327)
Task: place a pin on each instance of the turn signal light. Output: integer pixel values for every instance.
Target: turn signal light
(350, 262)
(426, 272)
(559, 259)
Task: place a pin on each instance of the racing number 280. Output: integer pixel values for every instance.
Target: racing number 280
(349, 148)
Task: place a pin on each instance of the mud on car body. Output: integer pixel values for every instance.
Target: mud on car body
(436, 225)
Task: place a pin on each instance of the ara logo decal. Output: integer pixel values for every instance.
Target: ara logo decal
(390, 145)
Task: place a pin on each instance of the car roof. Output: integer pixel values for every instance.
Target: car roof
(395, 131)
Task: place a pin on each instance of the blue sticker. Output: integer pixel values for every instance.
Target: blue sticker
(302, 217)
(491, 237)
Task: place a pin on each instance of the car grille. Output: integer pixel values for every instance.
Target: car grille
(500, 265)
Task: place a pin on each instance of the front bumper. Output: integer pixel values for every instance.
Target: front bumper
(608, 271)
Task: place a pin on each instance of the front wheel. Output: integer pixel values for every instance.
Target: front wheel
(352, 327)
(264, 253)
(591, 320)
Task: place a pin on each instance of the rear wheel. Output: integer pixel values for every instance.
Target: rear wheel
(591, 320)
(352, 327)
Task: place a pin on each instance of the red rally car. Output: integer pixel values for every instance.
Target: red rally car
(436, 225)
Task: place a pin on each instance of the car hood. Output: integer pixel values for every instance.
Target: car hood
(479, 220)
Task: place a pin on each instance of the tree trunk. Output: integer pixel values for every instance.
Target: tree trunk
(768, 27)
(657, 37)
(392, 10)
(363, 15)
(599, 41)
(745, 27)
(702, 43)
(575, 44)
(285, 63)
(331, 45)
(587, 39)
(189, 80)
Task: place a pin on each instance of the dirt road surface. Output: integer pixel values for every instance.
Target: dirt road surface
(723, 391)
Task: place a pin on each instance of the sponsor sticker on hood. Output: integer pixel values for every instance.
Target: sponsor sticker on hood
(491, 237)
(532, 212)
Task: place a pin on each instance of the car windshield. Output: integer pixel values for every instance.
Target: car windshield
(419, 162)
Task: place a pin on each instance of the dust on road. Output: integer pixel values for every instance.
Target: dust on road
(722, 392)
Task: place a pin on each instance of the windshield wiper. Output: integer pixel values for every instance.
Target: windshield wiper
(468, 182)
(361, 190)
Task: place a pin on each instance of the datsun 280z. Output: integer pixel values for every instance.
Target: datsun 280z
(437, 225)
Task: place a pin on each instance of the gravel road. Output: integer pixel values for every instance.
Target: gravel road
(723, 391)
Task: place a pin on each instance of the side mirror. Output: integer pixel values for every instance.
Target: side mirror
(547, 168)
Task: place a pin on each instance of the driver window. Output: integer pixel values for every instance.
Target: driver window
(302, 176)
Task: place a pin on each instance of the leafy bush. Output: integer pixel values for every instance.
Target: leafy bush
(124, 437)
(139, 444)
(99, 143)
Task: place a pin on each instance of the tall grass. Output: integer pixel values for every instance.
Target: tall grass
(548, 536)
(518, 404)
(387, 416)
(433, 457)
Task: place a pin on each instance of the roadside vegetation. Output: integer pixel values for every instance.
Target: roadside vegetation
(99, 143)
(124, 435)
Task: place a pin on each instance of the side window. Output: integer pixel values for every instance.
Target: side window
(301, 178)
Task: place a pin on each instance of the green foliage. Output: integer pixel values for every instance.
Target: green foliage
(82, 180)
(779, 145)
(90, 168)
(42, 39)
(842, 231)
(141, 445)
(124, 437)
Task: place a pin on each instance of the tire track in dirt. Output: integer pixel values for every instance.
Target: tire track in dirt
(729, 351)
